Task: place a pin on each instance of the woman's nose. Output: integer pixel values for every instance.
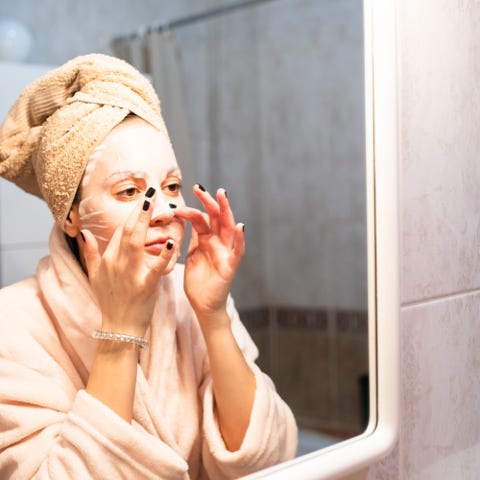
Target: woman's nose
(162, 211)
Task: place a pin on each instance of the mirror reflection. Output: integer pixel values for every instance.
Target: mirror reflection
(269, 102)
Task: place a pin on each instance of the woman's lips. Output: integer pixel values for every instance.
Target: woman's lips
(155, 246)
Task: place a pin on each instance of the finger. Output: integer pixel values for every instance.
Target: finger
(135, 228)
(113, 245)
(226, 213)
(159, 265)
(210, 205)
(91, 254)
(226, 219)
(239, 241)
(198, 219)
(205, 198)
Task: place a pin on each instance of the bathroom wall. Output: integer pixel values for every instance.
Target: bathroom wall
(64, 29)
(439, 100)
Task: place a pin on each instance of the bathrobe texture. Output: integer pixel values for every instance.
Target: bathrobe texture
(51, 428)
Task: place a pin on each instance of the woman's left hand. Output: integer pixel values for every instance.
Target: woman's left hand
(215, 252)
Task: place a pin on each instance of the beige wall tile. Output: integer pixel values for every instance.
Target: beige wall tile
(440, 376)
(439, 145)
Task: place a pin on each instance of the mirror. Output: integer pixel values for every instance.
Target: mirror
(274, 110)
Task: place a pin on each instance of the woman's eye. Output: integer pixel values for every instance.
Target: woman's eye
(173, 188)
(129, 192)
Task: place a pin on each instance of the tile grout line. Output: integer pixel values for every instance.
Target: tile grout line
(438, 298)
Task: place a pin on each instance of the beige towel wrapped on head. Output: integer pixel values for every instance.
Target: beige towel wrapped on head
(49, 133)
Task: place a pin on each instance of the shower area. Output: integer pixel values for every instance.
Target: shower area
(265, 98)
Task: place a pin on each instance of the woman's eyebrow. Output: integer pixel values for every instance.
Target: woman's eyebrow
(140, 173)
(126, 173)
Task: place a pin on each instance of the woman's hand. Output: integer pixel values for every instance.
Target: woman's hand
(215, 252)
(124, 285)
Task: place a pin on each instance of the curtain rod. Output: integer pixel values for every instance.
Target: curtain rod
(187, 20)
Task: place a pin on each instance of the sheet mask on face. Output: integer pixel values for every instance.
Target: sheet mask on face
(132, 158)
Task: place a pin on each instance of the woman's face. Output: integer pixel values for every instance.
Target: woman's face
(132, 158)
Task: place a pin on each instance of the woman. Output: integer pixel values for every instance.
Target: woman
(115, 361)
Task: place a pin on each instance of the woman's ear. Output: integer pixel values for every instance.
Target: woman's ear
(72, 223)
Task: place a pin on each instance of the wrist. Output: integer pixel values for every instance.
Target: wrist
(119, 337)
(214, 322)
(117, 350)
(122, 327)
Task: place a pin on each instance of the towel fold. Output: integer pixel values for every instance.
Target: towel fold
(56, 122)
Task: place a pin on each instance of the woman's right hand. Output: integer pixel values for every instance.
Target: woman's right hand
(124, 285)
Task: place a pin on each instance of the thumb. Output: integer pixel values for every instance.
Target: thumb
(90, 252)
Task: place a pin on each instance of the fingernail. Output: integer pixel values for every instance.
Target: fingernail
(169, 245)
(150, 192)
(200, 187)
(146, 204)
(82, 235)
(172, 205)
(243, 227)
(226, 196)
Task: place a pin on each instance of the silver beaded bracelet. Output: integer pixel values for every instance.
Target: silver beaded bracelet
(120, 337)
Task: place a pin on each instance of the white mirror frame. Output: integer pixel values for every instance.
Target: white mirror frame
(379, 438)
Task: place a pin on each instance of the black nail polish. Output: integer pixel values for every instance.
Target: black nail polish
(200, 187)
(226, 196)
(150, 192)
(243, 227)
(172, 205)
(82, 235)
(169, 245)
(146, 204)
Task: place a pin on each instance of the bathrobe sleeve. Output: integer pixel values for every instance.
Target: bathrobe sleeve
(52, 429)
(272, 434)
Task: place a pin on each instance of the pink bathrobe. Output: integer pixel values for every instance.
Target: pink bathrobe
(51, 428)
